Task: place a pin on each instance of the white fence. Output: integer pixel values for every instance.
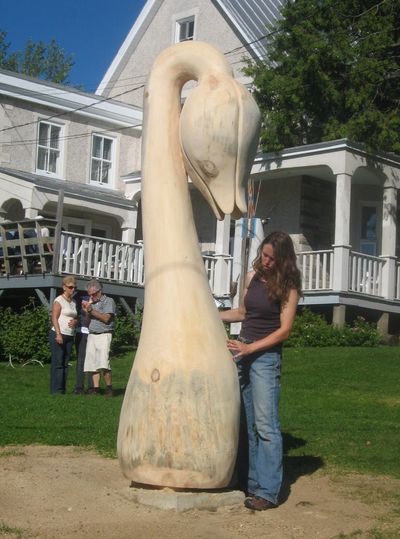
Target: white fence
(100, 258)
(123, 262)
(366, 274)
(316, 269)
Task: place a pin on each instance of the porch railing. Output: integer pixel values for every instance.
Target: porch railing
(101, 258)
(116, 261)
(365, 274)
(123, 263)
(219, 273)
(316, 268)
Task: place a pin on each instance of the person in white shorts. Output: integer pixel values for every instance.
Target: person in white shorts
(100, 311)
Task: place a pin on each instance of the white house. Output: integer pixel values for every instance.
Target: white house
(338, 202)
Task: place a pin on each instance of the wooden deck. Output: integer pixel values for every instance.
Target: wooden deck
(36, 254)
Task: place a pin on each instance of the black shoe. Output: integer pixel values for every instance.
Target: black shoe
(93, 391)
(108, 392)
(259, 504)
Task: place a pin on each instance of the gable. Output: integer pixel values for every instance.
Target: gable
(236, 27)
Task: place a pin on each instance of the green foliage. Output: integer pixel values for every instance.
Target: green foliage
(25, 335)
(124, 335)
(331, 72)
(41, 60)
(310, 329)
(126, 331)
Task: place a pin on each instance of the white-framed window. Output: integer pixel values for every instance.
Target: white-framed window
(101, 166)
(49, 147)
(369, 229)
(184, 29)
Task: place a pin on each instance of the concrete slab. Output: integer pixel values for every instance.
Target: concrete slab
(170, 499)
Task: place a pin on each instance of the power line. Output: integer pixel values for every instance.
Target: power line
(75, 136)
(78, 109)
(236, 50)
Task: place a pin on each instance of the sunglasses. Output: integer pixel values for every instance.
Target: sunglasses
(94, 293)
(70, 286)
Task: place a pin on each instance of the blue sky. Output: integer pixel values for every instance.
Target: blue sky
(91, 30)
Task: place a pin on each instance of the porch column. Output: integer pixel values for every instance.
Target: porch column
(389, 241)
(223, 236)
(222, 277)
(341, 247)
(129, 228)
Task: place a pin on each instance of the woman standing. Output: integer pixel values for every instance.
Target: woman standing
(267, 312)
(64, 320)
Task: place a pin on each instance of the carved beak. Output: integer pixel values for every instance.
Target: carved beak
(219, 129)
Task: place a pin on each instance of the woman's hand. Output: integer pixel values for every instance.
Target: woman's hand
(238, 349)
(59, 339)
(73, 323)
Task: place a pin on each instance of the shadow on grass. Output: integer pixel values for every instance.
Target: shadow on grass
(118, 391)
(296, 466)
(293, 466)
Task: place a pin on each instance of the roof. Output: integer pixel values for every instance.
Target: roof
(68, 99)
(247, 18)
(82, 191)
(251, 20)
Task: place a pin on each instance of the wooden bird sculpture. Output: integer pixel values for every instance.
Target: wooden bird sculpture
(180, 416)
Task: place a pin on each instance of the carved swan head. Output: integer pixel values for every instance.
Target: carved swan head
(219, 129)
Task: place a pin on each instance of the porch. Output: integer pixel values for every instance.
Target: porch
(336, 276)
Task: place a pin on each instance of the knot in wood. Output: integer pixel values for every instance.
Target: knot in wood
(155, 375)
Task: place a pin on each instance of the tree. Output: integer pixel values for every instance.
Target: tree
(332, 71)
(41, 60)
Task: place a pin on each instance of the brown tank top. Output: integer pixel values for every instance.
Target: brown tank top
(262, 315)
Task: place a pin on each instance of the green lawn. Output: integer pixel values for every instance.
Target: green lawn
(342, 405)
(340, 409)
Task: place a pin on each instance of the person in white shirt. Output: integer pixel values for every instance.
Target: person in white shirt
(64, 321)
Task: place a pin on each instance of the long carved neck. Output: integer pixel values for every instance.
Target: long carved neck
(170, 237)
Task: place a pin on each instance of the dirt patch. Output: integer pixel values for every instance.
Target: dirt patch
(65, 492)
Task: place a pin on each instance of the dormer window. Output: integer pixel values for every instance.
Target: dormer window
(185, 29)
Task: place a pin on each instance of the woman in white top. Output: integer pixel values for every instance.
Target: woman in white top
(64, 320)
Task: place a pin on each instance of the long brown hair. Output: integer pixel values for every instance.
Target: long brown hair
(285, 274)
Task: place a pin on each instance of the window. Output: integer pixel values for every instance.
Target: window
(368, 238)
(49, 150)
(101, 167)
(185, 29)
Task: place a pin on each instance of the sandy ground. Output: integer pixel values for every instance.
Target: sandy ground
(65, 492)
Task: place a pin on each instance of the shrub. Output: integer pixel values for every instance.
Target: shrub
(24, 335)
(311, 329)
(124, 333)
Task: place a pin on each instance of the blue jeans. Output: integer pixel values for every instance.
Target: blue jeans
(60, 354)
(259, 377)
(80, 343)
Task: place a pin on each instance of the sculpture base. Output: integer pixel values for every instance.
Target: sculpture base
(169, 499)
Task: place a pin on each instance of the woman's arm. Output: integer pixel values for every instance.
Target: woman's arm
(288, 313)
(238, 314)
(55, 315)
